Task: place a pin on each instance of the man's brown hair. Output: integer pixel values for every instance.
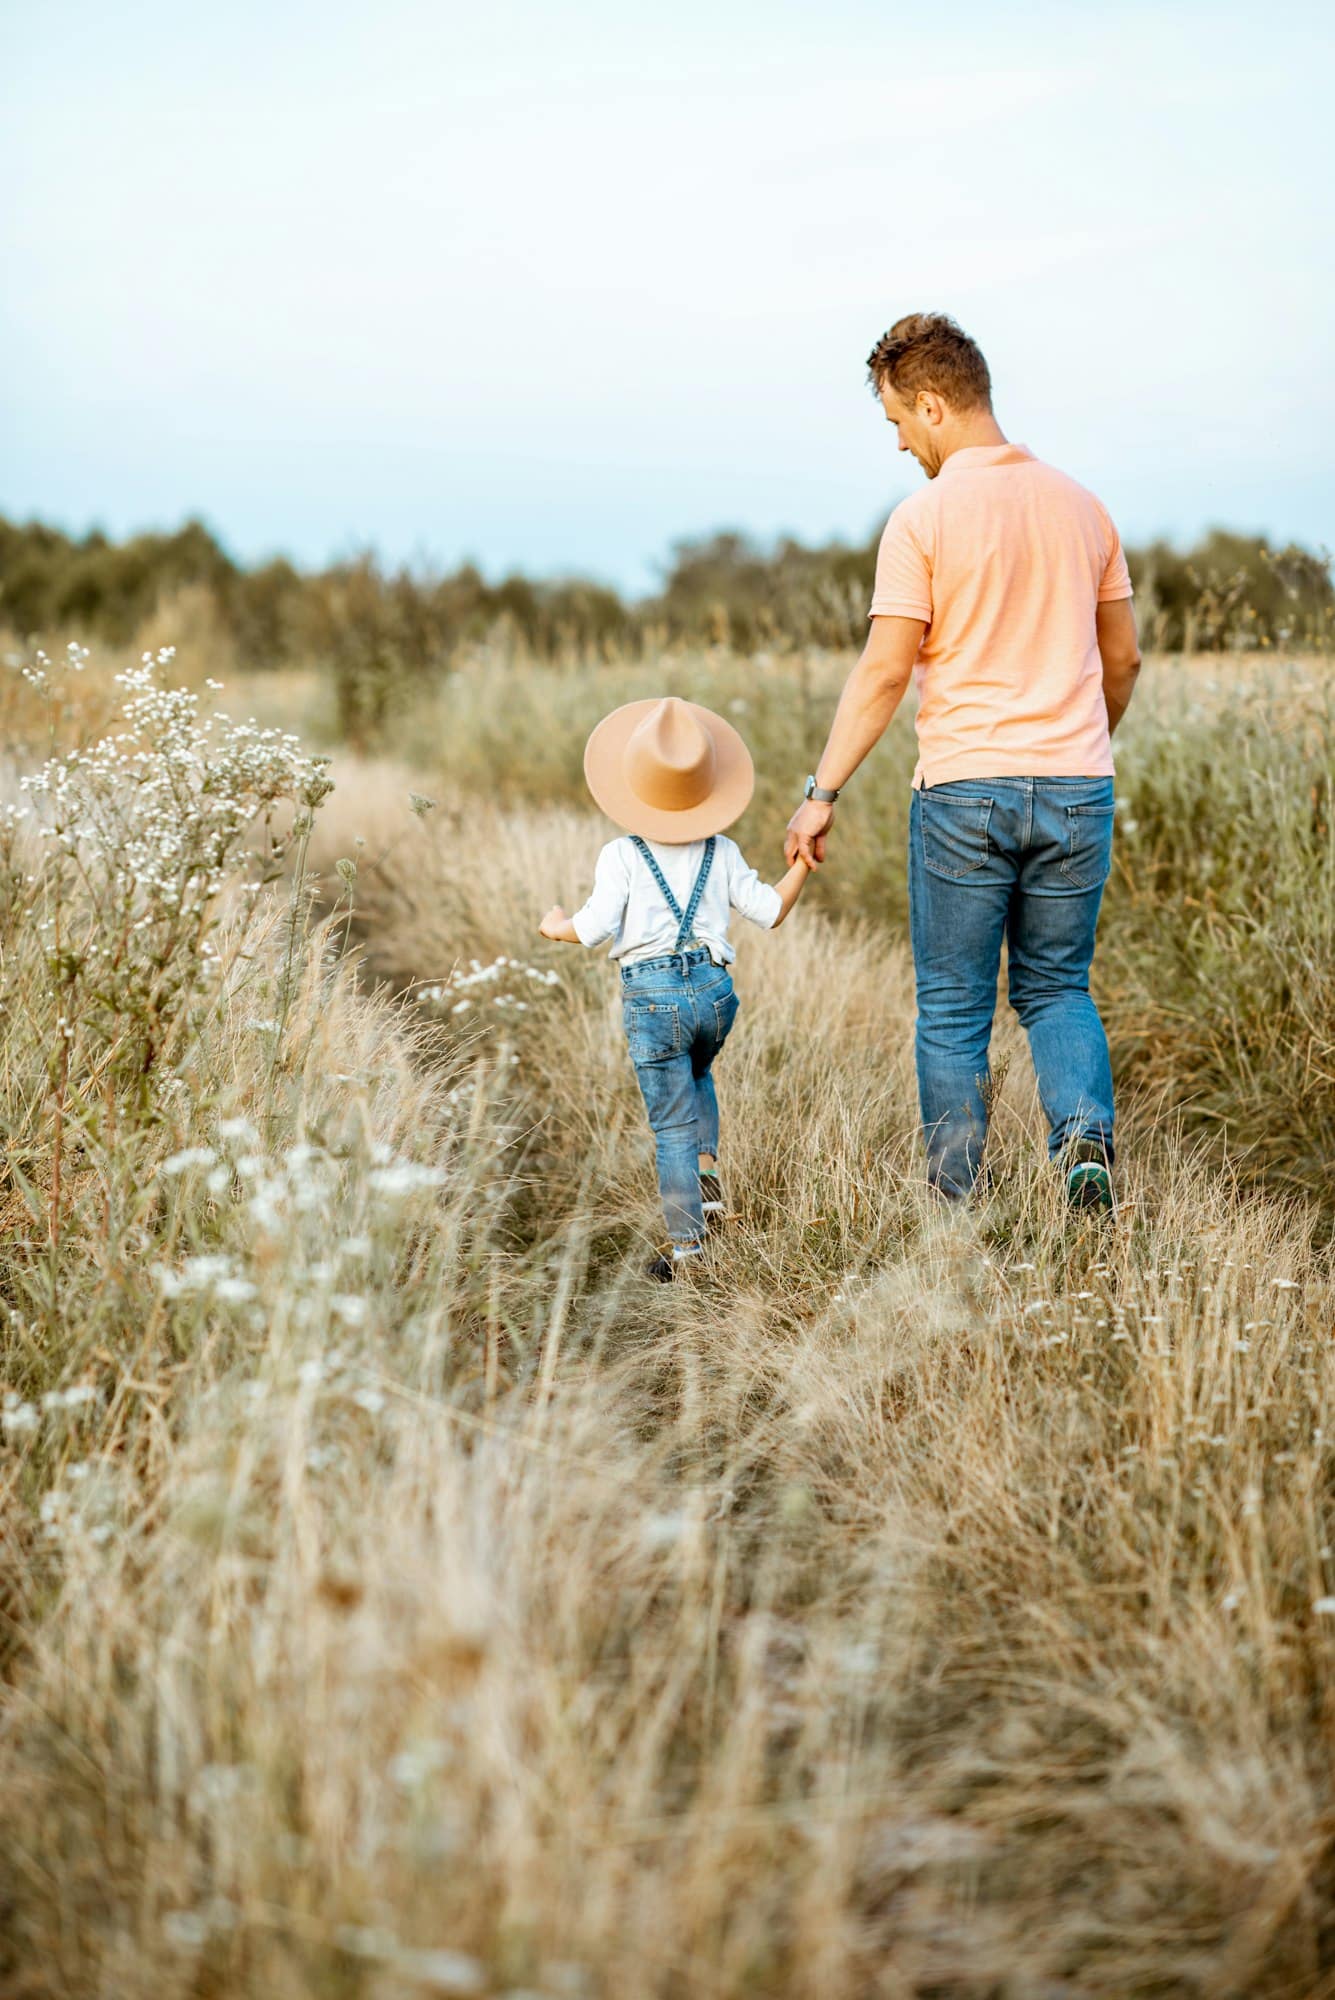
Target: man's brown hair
(928, 351)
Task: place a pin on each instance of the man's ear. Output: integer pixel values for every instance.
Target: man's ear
(930, 407)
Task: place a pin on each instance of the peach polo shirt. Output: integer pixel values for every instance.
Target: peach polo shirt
(1004, 558)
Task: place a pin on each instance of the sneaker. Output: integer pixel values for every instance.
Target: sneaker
(711, 1198)
(666, 1267)
(1089, 1177)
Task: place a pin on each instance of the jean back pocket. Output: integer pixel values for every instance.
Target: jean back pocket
(953, 830)
(725, 1013)
(653, 1029)
(1087, 861)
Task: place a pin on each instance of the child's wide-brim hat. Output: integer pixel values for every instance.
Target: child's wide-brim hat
(669, 769)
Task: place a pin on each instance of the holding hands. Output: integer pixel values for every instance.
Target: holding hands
(807, 833)
(872, 693)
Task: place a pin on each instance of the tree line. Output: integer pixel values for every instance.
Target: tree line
(1230, 591)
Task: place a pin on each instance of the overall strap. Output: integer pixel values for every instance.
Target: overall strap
(688, 921)
(685, 921)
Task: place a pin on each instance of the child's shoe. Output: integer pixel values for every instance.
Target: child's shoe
(711, 1198)
(669, 1265)
(1089, 1177)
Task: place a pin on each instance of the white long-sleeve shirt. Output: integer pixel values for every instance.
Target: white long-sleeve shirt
(627, 905)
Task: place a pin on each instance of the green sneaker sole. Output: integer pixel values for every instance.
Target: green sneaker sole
(1089, 1185)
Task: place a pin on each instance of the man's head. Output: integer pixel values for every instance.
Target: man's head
(934, 387)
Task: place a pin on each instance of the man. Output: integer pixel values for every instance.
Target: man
(1002, 588)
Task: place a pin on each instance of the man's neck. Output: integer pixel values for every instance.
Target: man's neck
(977, 428)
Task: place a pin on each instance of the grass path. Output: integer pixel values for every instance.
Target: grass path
(421, 1603)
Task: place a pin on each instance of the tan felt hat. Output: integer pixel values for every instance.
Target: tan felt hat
(669, 769)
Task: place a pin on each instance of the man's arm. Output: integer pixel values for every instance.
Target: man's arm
(872, 693)
(1119, 650)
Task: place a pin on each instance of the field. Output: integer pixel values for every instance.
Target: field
(401, 1597)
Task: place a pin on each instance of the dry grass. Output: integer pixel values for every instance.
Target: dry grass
(917, 1605)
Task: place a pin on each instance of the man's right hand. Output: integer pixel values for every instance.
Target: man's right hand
(807, 831)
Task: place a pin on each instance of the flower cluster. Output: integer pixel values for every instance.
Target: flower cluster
(84, 1505)
(480, 985)
(18, 1418)
(286, 1200)
(162, 803)
(144, 829)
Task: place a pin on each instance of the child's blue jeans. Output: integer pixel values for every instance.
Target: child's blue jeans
(677, 1013)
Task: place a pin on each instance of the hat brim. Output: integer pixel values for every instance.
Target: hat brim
(729, 796)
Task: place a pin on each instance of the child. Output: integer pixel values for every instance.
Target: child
(674, 775)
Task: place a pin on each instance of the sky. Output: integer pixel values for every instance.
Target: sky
(550, 288)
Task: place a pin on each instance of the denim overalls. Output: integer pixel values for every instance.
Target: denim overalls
(677, 1012)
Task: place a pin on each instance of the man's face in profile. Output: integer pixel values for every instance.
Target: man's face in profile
(914, 433)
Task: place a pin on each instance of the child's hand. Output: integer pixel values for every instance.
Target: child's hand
(554, 924)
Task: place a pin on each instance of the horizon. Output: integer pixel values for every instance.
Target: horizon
(542, 295)
(422, 566)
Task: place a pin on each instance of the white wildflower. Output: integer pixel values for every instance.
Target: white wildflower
(404, 1178)
(201, 1271)
(663, 1531)
(418, 1761)
(234, 1291)
(187, 1930)
(238, 1132)
(193, 1156)
(363, 1941)
(73, 1398)
(442, 1971)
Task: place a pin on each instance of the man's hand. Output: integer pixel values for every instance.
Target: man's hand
(807, 831)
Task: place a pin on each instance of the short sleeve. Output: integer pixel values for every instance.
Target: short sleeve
(600, 917)
(759, 902)
(1116, 579)
(903, 587)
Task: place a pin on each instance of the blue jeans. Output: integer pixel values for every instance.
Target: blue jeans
(1024, 859)
(677, 1013)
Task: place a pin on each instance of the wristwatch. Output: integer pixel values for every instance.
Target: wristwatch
(821, 793)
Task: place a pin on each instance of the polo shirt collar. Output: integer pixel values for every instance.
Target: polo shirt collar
(973, 456)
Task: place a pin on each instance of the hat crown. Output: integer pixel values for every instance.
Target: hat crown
(669, 760)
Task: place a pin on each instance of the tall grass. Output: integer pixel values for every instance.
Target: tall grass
(403, 1597)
